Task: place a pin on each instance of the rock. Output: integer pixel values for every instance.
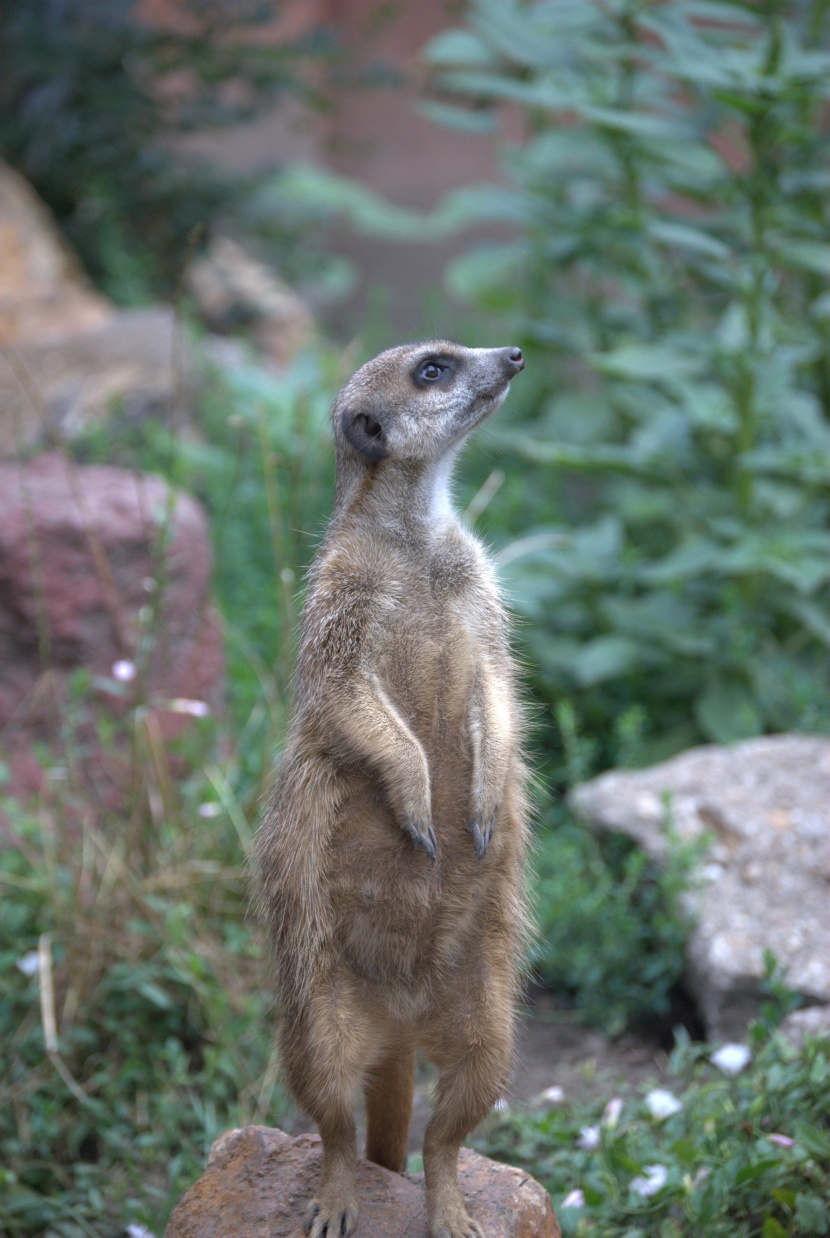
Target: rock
(73, 381)
(231, 289)
(763, 881)
(43, 291)
(84, 583)
(73, 354)
(259, 1180)
(811, 1021)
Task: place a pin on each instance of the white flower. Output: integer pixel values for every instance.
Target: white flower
(575, 1199)
(501, 1105)
(123, 671)
(30, 963)
(181, 705)
(731, 1059)
(611, 1112)
(653, 1180)
(139, 1231)
(552, 1096)
(588, 1138)
(210, 809)
(783, 1141)
(662, 1104)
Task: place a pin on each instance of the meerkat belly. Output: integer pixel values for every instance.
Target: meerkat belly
(400, 915)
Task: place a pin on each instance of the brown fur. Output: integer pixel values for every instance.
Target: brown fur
(390, 857)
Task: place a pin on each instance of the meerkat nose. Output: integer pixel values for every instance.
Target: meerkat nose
(515, 360)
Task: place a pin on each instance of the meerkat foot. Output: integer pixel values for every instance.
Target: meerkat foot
(482, 832)
(422, 836)
(454, 1222)
(330, 1218)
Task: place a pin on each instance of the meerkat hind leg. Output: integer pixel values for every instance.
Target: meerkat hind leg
(468, 1087)
(389, 1091)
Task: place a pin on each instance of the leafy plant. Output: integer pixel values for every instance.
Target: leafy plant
(667, 278)
(740, 1157)
(611, 927)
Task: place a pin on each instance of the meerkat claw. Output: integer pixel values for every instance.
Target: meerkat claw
(422, 836)
(481, 837)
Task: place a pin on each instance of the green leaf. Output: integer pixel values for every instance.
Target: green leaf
(606, 657)
(805, 255)
(463, 119)
(683, 236)
(811, 1215)
(816, 1141)
(726, 712)
(457, 47)
(655, 362)
(757, 1169)
(773, 1229)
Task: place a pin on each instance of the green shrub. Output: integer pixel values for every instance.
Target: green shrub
(667, 279)
(742, 1157)
(611, 928)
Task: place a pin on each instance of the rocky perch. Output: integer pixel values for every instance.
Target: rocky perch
(764, 879)
(259, 1180)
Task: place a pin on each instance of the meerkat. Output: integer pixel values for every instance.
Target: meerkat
(391, 852)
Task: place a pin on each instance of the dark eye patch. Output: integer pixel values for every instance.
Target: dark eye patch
(434, 371)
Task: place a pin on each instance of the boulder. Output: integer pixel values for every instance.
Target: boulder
(232, 289)
(259, 1180)
(71, 355)
(44, 294)
(763, 878)
(100, 566)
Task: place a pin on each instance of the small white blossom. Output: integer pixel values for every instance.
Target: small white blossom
(210, 809)
(783, 1141)
(139, 1231)
(653, 1180)
(611, 1112)
(552, 1096)
(196, 709)
(662, 1104)
(501, 1105)
(575, 1199)
(123, 671)
(588, 1138)
(30, 963)
(731, 1059)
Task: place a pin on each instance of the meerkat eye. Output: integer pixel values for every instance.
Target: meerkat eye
(432, 370)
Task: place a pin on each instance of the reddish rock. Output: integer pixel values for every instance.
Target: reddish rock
(88, 579)
(259, 1180)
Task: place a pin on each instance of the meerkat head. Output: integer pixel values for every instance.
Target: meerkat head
(417, 402)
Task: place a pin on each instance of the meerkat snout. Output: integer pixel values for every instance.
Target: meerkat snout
(418, 401)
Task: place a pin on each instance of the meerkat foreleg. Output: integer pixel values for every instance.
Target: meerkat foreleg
(370, 728)
(490, 741)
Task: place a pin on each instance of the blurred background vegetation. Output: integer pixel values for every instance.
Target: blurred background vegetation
(655, 237)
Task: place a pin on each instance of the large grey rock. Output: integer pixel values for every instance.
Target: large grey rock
(259, 1180)
(764, 881)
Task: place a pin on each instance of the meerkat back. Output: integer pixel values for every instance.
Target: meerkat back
(390, 856)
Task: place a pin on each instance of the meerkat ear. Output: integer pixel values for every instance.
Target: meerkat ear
(365, 433)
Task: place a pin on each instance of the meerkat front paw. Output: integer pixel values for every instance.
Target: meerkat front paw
(329, 1218)
(422, 835)
(482, 832)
